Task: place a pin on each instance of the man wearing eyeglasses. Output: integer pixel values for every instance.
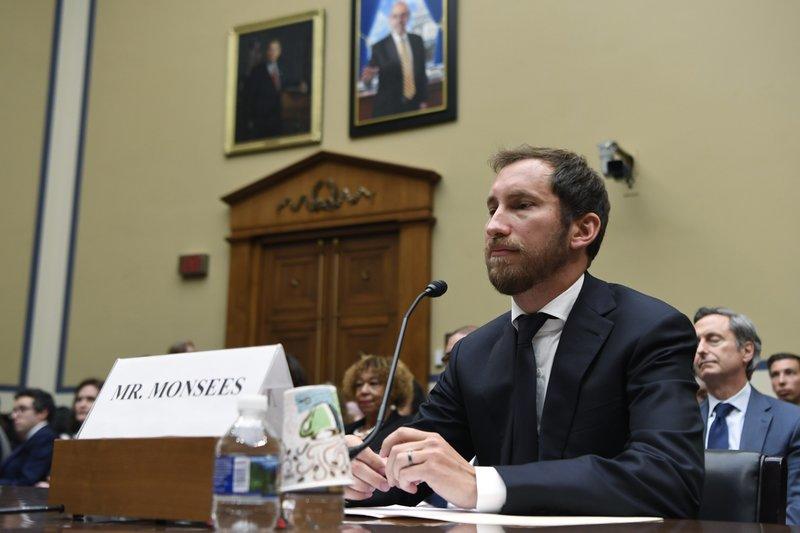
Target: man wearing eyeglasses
(29, 463)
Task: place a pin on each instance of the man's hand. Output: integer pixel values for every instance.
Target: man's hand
(414, 456)
(368, 472)
(369, 73)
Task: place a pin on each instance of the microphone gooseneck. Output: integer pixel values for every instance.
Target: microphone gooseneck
(433, 290)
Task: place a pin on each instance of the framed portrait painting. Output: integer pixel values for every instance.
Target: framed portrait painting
(274, 96)
(403, 66)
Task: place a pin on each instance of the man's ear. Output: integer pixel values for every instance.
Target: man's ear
(748, 351)
(584, 230)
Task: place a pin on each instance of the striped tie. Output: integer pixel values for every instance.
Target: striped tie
(409, 89)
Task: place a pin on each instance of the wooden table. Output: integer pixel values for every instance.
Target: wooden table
(15, 496)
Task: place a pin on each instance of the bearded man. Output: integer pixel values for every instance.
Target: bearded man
(580, 400)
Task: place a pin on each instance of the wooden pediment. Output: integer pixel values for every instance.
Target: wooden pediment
(331, 190)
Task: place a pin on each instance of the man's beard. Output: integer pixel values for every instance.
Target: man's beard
(532, 266)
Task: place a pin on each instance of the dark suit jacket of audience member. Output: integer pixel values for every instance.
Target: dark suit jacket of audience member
(393, 422)
(389, 100)
(29, 463)
(772, 427)
(621, 432)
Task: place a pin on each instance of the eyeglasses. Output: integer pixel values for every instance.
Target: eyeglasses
(21, 409)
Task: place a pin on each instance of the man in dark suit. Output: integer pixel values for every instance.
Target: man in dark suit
(29, 463)
(737, 416)
(262, 96)
(399, 61)
(579, 401)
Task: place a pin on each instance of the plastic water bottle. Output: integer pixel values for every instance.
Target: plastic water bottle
(247, 471)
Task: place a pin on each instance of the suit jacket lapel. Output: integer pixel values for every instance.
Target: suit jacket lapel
(499, 382)
(756, 423)
(584, 333)
(704, 414)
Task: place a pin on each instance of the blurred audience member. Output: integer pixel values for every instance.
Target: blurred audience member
(297, 371)
(182, 347)
(5, 443)
(411, 407)
(61, 422)
(450, 340)
(784, 372)
(702, 390)
(365, 382)
(737, 416)
(85, 395)
(29, 463)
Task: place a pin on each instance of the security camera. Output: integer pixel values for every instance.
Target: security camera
(615, 162)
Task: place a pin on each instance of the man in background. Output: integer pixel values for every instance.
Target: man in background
(29, 463)
(784, 372)
(736, 415)
(399, 61)
(450, 340)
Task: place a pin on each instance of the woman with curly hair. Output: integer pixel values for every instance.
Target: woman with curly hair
(365, 382)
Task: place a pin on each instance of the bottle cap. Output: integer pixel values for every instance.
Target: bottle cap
(252, 402)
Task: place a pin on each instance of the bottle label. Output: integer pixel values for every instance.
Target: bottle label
(242, 475)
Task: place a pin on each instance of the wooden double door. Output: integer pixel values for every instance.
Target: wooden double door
(330, 299)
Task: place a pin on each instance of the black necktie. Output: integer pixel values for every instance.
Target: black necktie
(525, 438)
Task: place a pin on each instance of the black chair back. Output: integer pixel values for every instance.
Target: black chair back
(744, 487)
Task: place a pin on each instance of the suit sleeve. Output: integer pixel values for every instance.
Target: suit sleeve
(422, 82)
(443, 413)
(36, 466)
(660, 470)
(793, 482)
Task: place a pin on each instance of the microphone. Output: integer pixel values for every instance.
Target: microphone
(434, 289)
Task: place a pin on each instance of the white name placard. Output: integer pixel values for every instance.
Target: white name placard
(186, 395)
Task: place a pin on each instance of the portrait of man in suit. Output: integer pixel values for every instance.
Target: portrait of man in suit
(274, 81)
(399, 62)
(736, 415)
(579, 400)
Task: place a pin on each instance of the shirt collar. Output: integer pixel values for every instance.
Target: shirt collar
(559, 307)
(34, 429)
(397, 37)
(738, 400)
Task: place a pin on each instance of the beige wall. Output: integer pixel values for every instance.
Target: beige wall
(26, 30)
(703, 94)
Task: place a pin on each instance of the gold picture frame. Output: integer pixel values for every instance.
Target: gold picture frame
(274, 86)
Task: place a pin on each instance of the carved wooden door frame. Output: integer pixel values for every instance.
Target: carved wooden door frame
(333, 193)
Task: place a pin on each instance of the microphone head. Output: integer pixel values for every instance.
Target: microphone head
(436, 288)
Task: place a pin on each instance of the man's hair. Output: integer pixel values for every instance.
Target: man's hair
(466, 330)
(403, 389)
(742, 328)
(579, 188)
(781, 356)
(41, 401)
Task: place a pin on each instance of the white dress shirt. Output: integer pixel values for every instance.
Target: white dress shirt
(34, 429)
(735, 418)
(491, 489)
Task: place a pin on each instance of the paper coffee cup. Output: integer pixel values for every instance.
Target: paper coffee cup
(315, 454)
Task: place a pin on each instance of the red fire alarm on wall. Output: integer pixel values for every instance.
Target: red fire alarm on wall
(193, 266)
